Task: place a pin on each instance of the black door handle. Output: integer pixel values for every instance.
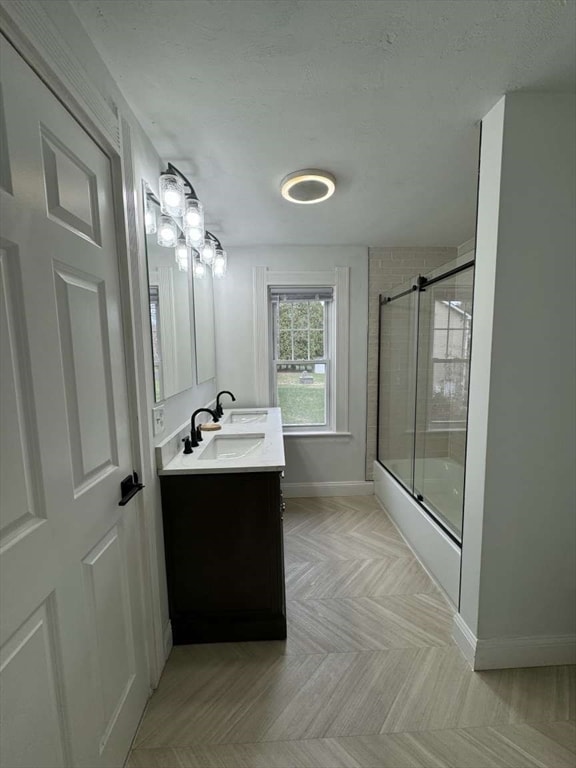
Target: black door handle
(129, 487)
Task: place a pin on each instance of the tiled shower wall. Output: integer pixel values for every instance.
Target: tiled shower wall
(388, 267)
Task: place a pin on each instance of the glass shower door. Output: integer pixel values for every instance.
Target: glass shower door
(396, 406)
(444, 335)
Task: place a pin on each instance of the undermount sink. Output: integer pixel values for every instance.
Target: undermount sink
(248, 417)
(224, 447)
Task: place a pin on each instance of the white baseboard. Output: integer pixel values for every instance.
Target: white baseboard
(351, 488)
(510, 652)
(465, 639)
(167, 639)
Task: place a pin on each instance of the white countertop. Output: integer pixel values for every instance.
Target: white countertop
(266, 457)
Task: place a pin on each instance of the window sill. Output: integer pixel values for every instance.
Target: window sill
(317, 434)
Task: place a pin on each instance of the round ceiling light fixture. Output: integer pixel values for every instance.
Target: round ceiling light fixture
(308, 186)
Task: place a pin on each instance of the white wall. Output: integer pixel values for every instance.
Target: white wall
(308, 459)
(519, 548)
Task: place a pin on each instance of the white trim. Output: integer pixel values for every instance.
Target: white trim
(339, 278)
(137, 358)
(348, 488)
(464, 638)
(30, 29)
(261, 342)
(513, 652)
(433, 548)
(342, 347)
(167, 639)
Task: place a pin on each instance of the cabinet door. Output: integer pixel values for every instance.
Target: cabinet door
(223, 538)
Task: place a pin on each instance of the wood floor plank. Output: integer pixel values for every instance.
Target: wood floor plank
(357, 578)
(312, 548)
(337, 625)
(519, 746)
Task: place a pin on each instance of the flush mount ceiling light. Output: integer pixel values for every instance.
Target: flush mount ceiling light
(308, 186)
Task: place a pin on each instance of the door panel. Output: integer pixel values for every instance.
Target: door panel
(30, 683)
(107, 598)
(71, 634)
(82, 316)
(19, 472)
(71, 188)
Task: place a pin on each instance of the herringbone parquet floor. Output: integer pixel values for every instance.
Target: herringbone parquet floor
(369, 675)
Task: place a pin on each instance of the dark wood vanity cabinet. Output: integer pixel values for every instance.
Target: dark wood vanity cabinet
(224, 556)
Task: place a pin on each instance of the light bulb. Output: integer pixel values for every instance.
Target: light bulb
(171, 195)
(208, 252)
(172, 198)
(183, 263)
(167, 232)
(194, 236)
(194, 214)
(199, 269)
(220, 264)
(181, 251)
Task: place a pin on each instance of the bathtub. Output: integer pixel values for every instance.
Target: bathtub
(441, 483)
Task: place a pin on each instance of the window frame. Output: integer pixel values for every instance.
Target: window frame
(338, 337)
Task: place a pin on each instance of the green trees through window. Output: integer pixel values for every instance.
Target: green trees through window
(300, 364)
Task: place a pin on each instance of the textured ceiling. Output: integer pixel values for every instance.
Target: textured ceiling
(386, 95)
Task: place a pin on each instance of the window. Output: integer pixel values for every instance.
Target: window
(301, 347)
(301, 372)
(450, 364)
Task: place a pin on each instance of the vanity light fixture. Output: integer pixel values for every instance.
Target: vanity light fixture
(308, 186)
(181, 225)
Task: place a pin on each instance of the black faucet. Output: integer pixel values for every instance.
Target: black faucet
(195, 432)
(219, 409)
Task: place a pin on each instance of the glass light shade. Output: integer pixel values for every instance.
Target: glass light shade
(208, 252)
(167, 232)
(220, 264)
(193, 214)
(181, 251)
(150, 217)
(171, 195)
(199, 268)
(183, 264)
(194, 236)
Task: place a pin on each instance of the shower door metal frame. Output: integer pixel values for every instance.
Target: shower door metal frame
(419, 284)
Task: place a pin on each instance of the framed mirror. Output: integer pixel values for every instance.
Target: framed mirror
(169, 292)
(204, 325)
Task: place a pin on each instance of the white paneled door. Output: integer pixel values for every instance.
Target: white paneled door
(73, 667)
